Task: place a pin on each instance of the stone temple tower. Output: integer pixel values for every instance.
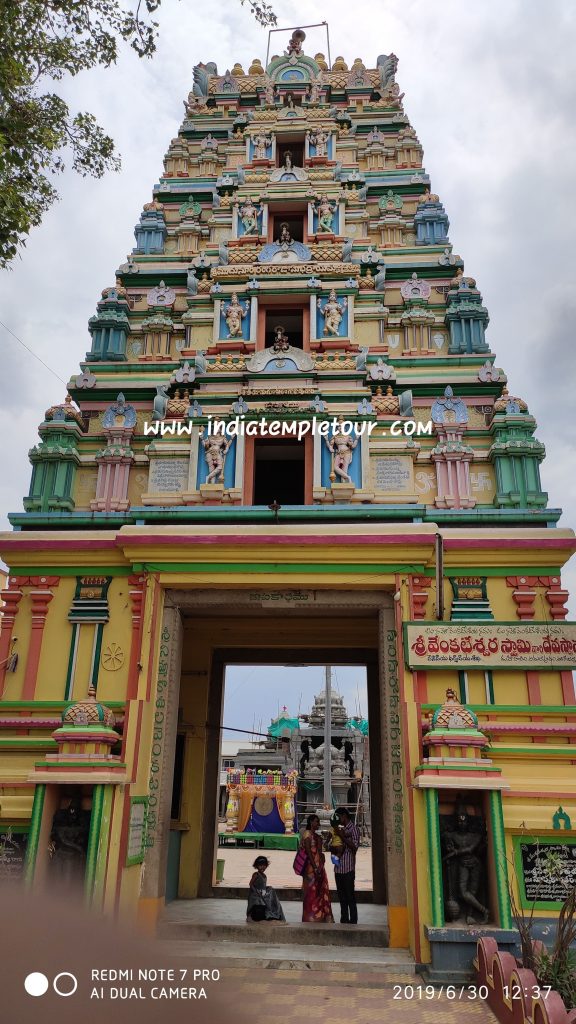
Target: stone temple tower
(289, 441)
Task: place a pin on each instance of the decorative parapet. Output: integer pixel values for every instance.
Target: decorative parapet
(513, 993)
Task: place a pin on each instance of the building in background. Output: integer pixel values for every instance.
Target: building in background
(376, 500)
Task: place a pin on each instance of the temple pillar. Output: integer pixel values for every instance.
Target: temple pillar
(165, 704)
(393, 787)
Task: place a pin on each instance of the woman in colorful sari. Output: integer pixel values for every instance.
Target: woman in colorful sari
(315, 888)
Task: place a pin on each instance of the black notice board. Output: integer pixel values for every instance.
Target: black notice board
(540, 884)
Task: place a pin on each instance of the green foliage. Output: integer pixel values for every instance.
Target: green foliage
(560, 974)
(558, 967)
(41, 42)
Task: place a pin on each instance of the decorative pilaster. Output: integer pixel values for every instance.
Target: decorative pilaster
(556, 597)
(419, 587)
(434, 858)
(136, 594)
(523, 595)
(451, 456)
(40, 601)
(115, 459)
(34, 833)
(11, 598)
(500, 861)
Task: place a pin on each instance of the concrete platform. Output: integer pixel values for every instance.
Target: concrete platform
(287, 957)
(211, 933)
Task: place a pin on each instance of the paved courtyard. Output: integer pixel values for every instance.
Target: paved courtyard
(348, 996)
(238, 868)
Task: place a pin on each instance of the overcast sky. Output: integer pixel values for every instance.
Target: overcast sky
(255, 694)
(490, 89)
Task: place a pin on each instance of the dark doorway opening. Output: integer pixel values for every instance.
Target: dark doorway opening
(294, 223)
(292, 320)
(296, 149)
(279, 472)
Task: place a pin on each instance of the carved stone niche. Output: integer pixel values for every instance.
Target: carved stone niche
(464, 845)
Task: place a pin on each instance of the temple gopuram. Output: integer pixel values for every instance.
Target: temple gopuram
(290, 442)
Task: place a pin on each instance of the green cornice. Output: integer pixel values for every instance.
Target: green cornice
(298, 513)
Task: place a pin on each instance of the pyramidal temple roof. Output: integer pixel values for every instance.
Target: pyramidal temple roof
(292, 265)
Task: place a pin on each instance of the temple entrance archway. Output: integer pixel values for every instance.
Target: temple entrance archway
(214, 628)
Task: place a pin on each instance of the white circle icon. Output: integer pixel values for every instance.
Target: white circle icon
(36, 984)
(64, 992)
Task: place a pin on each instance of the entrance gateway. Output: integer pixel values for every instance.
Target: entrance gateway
(203, 631)
(293, 269)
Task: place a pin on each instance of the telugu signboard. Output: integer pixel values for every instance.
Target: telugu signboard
(547, 870)
(484, 645)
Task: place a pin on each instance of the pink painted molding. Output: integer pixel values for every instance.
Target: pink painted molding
(521, 728)
(511, 989)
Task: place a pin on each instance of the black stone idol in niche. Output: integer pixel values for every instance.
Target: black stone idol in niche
(69, 842)
(463, 839)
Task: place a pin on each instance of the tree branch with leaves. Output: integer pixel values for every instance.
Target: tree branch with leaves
(42, 42)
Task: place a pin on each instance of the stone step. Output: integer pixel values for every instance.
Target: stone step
(225, 921)
(290, 894)
(276, 933)
(372, 962)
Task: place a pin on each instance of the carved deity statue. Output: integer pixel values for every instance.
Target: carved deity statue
(337, 760)
(269, 91)
(316, 88)
(287, 171)
(281, 342)
(216, 449)
(234, 314)
(341, 446)
(295, 43)
(249, 214)
(333, 312)
(69, 841)
(464, 866)
(319, 138)
(325, 210)
(261, 142)
(285, 236)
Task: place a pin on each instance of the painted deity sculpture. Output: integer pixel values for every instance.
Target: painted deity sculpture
(234, 314)
(287, 171)
(325, 211)
(315, 91)
(216, 449)
(249, 214)
(341, 447)
(319, 138)
(261, 143)
(281, 342)
(333, 312)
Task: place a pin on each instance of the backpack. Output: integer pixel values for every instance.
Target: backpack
(300, 861)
